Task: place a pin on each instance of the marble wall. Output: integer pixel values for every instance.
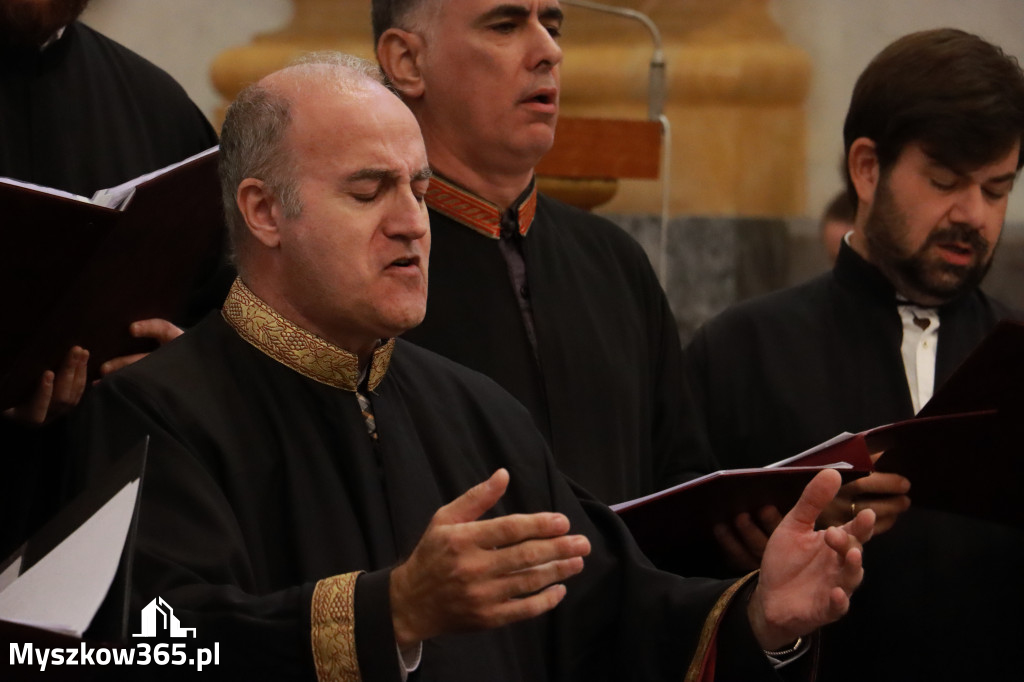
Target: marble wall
(842, 37)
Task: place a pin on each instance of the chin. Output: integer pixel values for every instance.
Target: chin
(398, 324)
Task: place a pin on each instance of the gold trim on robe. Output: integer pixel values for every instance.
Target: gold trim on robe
(333, 629)
(294, 347)
(705, 644)
(480, 215)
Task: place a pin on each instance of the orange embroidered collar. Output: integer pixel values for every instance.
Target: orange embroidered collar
(294, 347)
(447, 198)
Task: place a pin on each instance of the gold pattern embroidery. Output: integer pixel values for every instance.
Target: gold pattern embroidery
(333, 629)
(294, 347)
(710, 629)
(459, 204)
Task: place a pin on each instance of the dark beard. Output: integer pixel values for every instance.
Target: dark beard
(24, 23)
(922, 278)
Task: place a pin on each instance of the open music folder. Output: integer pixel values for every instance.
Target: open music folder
(962, 454)
(976, 469)
(79, 271)
(674, 527)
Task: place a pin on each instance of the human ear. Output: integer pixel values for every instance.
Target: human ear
(399, 54)
(862, 164)
(261, 211)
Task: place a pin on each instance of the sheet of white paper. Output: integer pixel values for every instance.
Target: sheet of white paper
(64, 589)
(117, 197)
(10, 573)
(45, 190)
(702, 479)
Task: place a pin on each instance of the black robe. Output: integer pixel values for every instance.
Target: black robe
(606, 393)
(779, 374)
(87, 113)
(84, 114)
(261, 481)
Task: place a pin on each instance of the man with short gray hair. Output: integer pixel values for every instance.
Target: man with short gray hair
(559, 306)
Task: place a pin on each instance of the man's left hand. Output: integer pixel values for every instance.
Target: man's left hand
(808, 575)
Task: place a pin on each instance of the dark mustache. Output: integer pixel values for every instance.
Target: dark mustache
(959, 233)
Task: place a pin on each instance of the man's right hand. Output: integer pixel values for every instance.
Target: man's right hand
(466, 574)
(57, 392)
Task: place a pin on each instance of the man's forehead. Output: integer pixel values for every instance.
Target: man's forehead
(479, 9)
(361, 147)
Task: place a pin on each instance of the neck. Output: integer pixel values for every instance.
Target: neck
(500, 190)
(859, 244)
(904, 291)
(497, 183)
(281, 303)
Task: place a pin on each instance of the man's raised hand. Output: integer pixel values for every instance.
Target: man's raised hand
(808, 575)
(468, 574)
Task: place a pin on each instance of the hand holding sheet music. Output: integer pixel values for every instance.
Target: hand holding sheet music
(81, 272)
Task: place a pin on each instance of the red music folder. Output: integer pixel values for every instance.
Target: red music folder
(962, 453)
(975, 464)
(674, 527)
(79, 271)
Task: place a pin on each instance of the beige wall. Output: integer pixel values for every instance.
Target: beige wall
(841, 36)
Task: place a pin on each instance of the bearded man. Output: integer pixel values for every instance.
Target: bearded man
(933, 146)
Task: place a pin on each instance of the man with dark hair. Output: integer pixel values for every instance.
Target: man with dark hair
(559, 306)
(933, 146)
(78, 112)
(313, 498)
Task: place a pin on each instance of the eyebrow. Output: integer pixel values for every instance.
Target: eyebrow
(1005, 177)
(386, 174)
(1008, 177)
(552, 13)
(372, 174)
(510, 11)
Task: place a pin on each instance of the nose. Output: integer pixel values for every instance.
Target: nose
(546, 53)
(969, 207)
(407, 218)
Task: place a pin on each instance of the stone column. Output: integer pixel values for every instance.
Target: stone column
(735, 91)
(735, 100)
(342, 25)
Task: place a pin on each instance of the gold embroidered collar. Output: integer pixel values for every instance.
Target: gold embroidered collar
(447, 198)
(294, 347)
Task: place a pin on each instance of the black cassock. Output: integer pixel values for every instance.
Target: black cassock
(604, 389)
(262, 481)
(84, 114)
(782, 373)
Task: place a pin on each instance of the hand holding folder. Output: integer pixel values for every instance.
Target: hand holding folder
(83, 271)
(961, 454)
